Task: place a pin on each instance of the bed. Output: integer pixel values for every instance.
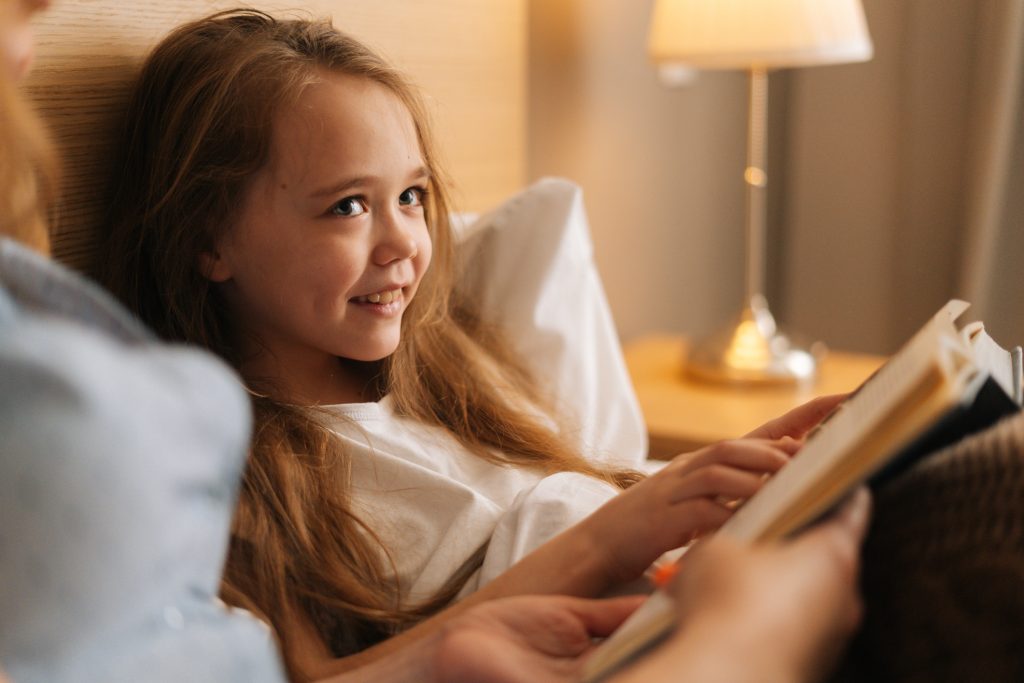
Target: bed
(468, 56)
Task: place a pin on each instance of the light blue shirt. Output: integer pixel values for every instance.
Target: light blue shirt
(120, 459)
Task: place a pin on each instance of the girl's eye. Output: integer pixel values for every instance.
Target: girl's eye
(348, 207)
(413, 196)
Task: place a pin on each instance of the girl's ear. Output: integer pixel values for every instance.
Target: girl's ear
(213, 266)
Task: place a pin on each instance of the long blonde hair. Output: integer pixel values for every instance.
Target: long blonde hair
(28, 170)
(199, 127)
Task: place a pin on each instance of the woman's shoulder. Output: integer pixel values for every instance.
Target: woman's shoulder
(63, 336)
(121, 458)
(33, 283)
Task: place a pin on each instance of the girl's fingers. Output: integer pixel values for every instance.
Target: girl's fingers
(717, 480)
(797, 422)
(756, 455)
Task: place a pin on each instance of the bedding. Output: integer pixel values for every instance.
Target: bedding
(530, 265)
(943, 568)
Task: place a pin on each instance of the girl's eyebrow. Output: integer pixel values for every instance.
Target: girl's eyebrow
(342, 187)
(421, 173)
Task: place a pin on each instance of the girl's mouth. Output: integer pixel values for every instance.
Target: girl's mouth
(379, 297)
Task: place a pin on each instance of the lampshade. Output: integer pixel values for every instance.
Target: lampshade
(744, 34)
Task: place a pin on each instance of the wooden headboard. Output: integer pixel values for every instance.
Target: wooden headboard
(468, 57)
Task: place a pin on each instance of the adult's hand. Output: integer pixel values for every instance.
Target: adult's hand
(774, 612)
(530, 639)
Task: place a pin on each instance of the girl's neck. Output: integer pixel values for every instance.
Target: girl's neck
(327, 380)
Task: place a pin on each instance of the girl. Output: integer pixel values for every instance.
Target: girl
(281, 203)
(78, 602)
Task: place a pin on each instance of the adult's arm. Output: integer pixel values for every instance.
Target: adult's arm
(764, 614)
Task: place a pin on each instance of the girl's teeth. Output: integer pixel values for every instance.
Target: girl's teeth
(380, 297)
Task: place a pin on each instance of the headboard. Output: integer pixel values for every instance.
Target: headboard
(468, 57)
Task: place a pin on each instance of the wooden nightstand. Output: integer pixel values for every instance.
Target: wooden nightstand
(683, 414)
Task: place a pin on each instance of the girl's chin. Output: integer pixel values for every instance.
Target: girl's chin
(371, 355)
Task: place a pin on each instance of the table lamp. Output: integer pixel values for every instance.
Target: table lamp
(755, 36)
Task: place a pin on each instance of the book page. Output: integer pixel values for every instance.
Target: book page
(989, 356)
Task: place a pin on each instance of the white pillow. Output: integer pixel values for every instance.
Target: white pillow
(530, 264)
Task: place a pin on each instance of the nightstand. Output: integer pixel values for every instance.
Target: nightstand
(683, 414)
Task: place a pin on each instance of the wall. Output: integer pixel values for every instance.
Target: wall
(869, 189)
(469, 56)
(875, 206)
(660, 167)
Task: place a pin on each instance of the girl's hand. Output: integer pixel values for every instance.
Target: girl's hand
(697, 492)
(799, 421)
(689, 497)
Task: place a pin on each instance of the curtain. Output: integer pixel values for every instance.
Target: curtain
(903, 178)
(992, 275)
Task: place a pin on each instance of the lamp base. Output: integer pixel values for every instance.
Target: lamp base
(753, 351)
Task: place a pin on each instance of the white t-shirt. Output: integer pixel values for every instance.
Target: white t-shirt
(431, 501)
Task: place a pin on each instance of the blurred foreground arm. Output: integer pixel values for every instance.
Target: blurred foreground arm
(764, 613)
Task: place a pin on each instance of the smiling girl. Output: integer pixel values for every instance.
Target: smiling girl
(281, 203)
(329, 244)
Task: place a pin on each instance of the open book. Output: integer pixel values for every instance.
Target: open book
(943, 384)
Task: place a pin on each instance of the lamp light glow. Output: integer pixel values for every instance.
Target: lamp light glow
(755, 36)
(769, 34)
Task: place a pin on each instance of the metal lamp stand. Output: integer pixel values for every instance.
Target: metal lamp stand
(752, 350)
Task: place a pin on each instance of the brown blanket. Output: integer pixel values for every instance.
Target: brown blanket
(943, 569)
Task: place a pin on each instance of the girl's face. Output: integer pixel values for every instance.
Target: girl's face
(331, 242)
(16, 45)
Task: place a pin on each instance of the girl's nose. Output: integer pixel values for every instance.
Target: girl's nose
(395, 243)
